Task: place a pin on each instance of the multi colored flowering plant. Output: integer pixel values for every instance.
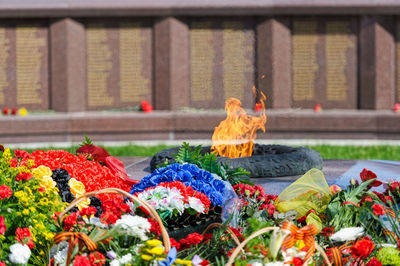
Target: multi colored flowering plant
(27, 203)
(190, 175)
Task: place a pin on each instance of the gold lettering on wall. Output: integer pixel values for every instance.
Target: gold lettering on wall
(4, 53)
(98, 66)
(337, 45)
(29, 59)
(201, 61)
(304, 62)
(134, 86)
(236, 64)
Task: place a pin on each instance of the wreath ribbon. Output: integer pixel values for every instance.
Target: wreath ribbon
(306, 234)
(74, 238)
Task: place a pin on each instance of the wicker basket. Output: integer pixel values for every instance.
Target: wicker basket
(240, 247)
(153, 213)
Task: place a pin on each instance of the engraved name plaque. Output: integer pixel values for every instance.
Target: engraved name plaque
(24, 66)
(222, 59)
(119, 64)
(325, 63)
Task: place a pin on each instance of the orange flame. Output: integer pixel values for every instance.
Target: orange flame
(234, 137)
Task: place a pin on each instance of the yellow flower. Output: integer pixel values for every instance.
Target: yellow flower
(77, 188)
(183, 262)
(30, 163)
(22, 111)
(154, 242)
(41, 171)
(6, 155)
(83, 204)
(147, 257)
(47, 182)
(19, 194)
(156, 250)
(25, 212)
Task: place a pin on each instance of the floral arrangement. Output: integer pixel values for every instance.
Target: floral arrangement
(28, 201)
(190, 175)
(175, 198)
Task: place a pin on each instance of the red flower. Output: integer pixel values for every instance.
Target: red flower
(3, 227)
(366, 199)
(6, 111)
(88, 211)
(5, 192)
(205, 263)
(362, 248)
(24, 236)
(70, 221)
(97, 259)
(2, 263)
(81, 261)
(368, 175)
(23, 176)
(374, 262)
(327, 231)
(155, 227)
(93, 151)
(108, 218)
(257, 107)
(394, 187)
(378, 210)
(175, 244)
(190, 240)
(21, 154)
(297, 261)
(146, 107)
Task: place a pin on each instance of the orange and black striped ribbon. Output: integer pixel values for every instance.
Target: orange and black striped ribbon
(306, 234)
(336, 253)
(76, 237)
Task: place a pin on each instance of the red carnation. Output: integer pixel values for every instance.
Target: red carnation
(362, 248)
(2, 263)
(24, 236)
(3, 227)
(70, 221)
(378, 210)
(368, 175)
(190, 240)
(81, 261)
(175, 244)
(257, 107)
(146, 107)
(394, 187)
(205, 263)
(155, 227)
(5, 192)
(88, 211)
(23, 176)
(108, 218)
(21, 154)
(97, 259)
(374, 262)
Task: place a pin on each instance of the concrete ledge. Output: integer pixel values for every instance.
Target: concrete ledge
(95, 8)
(281, 124)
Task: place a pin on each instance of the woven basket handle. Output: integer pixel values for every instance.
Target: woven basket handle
(263, 231)
(153, 213)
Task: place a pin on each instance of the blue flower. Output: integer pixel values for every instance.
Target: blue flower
(218, 185)
(204, 175)
(171, 258)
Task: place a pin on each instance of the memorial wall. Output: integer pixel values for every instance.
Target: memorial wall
(110, 63)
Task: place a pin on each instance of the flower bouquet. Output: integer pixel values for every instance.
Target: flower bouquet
(184, 195)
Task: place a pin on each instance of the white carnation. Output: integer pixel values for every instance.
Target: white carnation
(347, 234)
(196, 204)
(275, 263)
(133, 226)
(19, 254)
(122, 261)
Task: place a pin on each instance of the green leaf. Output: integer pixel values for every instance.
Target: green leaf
(87, 141)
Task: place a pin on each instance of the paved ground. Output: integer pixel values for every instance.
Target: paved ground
(336, 172)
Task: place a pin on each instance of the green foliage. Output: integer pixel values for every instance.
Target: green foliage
(209, 162)
(87, 141)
